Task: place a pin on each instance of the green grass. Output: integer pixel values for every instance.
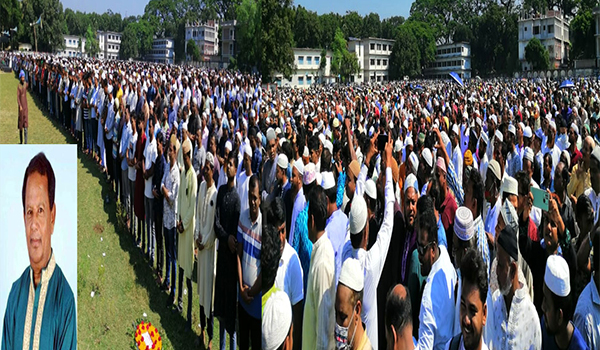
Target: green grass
(123, 282)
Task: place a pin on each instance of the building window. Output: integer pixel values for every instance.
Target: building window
(231, 34)
(379, 62)
(231, 48)
(308, 80)
(300, 59)
(385, 62)
(300, 80)
(372, 62)
(551, 28)
(317, 59)
(372, 46)
(525, 28)
(384, 47)
(536, 30)
(308, 59)
(378, 46)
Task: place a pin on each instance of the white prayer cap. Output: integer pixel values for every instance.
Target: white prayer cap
(282, 141)
(512, 129)
(247, 150)
(463, 224)
(409, 141)
(358, 215)
(310, 174)
(371, 189)
(557, 277)
(509, 215)
(510, 185)
(322, 138)
(299, 166)
(414, 160)
(427, 156)
(271, 134)
(494, 119)
(276, 320)
(484, 138)
(305, 153)
(327, 180)
(228, 146)
(110, 88)
(553, 125)
(397, 146)
(282, 161)
(411, 181)
(527, 132)
(499, 136)
(455, 129)
(210, 159)
(528, 154)
(494, 166)
(327, 144)
(352, 275)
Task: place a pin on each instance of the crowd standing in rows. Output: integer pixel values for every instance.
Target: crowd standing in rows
(395, 215)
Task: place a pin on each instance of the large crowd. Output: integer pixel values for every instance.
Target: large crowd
(362, 216)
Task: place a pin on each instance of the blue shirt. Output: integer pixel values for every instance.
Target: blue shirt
(441, 233)
(549, 343)
(301, 243)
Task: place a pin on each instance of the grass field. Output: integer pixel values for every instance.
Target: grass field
(109, 264)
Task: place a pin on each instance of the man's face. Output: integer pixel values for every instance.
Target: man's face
(473, 315)
(231, 168)
(410, 207)
(550, 234)
(296, 180)
(482, 149)
(272, 148)
(551, 315)
(314, 156)
(425, 252)
(469, 200)
(39, 220)
(345, 311)
(282, 235)
(254, 202)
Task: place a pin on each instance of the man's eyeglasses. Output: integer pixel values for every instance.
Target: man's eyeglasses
(421, 248)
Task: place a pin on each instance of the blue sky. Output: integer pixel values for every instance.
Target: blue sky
(385, 9)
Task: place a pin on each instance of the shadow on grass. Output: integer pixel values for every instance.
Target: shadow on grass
(172, 322)
(52, 119)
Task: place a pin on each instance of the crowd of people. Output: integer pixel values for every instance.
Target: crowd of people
(362, 216)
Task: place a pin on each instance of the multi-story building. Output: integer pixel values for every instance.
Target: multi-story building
(163, 51)
(552, 29)
(308, 69)
(373, 56)
(228, 44)
(454, 57)
(109, 44)
(74, 47)
(205, 35)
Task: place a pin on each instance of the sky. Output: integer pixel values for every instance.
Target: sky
(385, 8)
(14, 258)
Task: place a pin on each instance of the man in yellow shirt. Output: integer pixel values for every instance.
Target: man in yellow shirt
(580, 180)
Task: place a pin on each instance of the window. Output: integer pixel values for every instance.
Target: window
(231, 48)
(372, 62)
(308, 80)
(384, 47)
(309, 60)
(378, 46)
(525, 28)
(300, 80)
(230, 33)
(372, 46)
(551, 28)
(385, 62)
(536, 30)
(317, 59)
(379, 62)
(300, 59)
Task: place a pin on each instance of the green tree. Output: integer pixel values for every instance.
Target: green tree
(425, 37)
(276, 39)
(537, 55)
(307, 28)
(10, 17)
(329, 22)
(343, 63)
(91, 43)
(389, 27)
(193, 51)
(50, 33)
(352, 25)
(247, 35)
(129, 44)
(371, 26)
(406, 57)
(582, 34)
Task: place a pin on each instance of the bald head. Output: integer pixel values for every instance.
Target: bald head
(398, 318)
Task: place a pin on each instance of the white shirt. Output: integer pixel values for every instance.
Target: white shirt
(373, 260)
(483, 167)
(243, 182)
(518, 330)
(299, 203)
(436, 316)
(150, 154)
(587, 315)
(457, 161)
(461, 346)
(289, 275)
(131, 171)
(319, 316)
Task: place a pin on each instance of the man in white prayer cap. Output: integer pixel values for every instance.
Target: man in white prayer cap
(243, 177)
(349, 329)
(337, 221)
(268, 171)
(277, 325)
(558, 331)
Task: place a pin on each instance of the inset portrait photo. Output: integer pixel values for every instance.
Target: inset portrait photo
(38, 246)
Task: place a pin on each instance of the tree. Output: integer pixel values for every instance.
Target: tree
(537, 55)
(389, 27)
(276, 39)
(371, 25)
(247, 35)
(129, 45)
(307, 28)
(343, 63)
(425, 37)
(406, 57)
(582, 32)
(10, 17)
(91, 43)
(329, 22)
(50, 33)
(193, 51)
(352, 25)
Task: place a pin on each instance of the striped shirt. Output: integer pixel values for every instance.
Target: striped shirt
(249, 234)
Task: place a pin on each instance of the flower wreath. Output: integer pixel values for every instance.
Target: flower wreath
(146, 337)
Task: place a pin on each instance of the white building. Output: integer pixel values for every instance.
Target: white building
(229, 47)
(163, 51)
(552, 29)
(454, 57)
(109, 44)
(205, 35)
(308, 69)
(74, 47)
(373, 58)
